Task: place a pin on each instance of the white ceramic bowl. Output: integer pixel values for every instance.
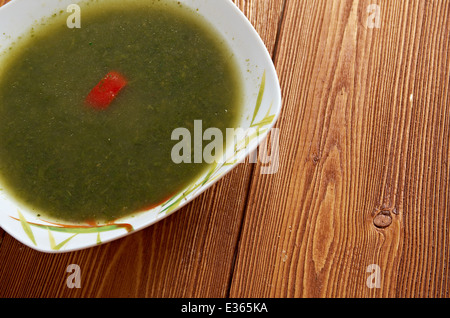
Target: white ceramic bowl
(262, 106)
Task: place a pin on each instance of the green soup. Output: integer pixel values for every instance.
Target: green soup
(73, 163)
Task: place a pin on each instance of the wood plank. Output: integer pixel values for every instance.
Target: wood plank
(189, 254)
(2, 234)
(364, 130)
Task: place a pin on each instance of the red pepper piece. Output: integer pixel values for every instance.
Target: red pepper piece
(106, 90)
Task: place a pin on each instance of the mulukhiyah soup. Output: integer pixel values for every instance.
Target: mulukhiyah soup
(72, 162)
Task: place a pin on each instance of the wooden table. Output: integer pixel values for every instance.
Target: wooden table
(360, 205)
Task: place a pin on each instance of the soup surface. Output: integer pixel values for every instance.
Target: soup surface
(72, 162)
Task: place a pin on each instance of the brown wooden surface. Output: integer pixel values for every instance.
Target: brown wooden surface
(364, 130)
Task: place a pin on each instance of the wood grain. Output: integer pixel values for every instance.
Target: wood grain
(363, 177)
(364, 130)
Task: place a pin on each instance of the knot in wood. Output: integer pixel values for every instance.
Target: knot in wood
(383, 220)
